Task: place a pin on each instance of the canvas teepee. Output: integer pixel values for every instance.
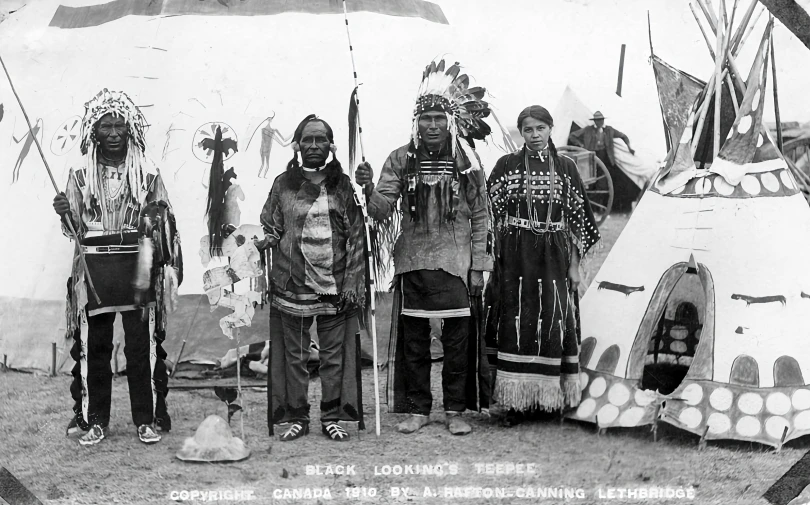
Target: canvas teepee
(704, 285)
(236, 65)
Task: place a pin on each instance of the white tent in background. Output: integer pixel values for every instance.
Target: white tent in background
(570, 114)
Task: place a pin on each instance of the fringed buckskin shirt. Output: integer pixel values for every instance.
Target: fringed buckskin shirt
(318, 242)
(449, 228)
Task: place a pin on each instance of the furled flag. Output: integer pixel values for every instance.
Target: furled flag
(100, 13)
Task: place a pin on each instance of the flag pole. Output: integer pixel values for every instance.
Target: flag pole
(68, 221)
(367, 223)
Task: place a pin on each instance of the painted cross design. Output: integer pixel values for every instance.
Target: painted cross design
(208, 131)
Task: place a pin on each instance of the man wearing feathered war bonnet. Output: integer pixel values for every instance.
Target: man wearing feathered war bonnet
(442, 249)
(120, 210)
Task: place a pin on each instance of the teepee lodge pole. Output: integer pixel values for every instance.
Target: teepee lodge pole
(739, 36)
(741, 42)
(732, 65)
(718, 82)
(776, 98)
(372, 289)
(730, 24)
(727, 79)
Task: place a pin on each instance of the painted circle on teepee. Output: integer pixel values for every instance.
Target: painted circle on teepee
(760, 140)
(775, 426)
(586, 408)
(697, 334)
(721, 399)
(748, 426)
(755, 103)
(583, 380)
(678, 347)
(750, 403)
(703, 186)
(607, 414)
(631, 417)
(643, 398)
(778, 403)
(718, 423)
(787, 180)
(679, 332)
(802, 420)
(722, 187)
(598, 387)
(770, 182)
(745, 125)
(618, 394)
(801, 399)
(691, 417)
(693, 393)
(750, 185)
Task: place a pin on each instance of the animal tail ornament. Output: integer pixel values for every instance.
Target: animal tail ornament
(354, 128)
(143, 271)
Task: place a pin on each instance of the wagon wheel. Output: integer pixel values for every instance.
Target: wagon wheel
(599, 189)
(598, 186)
(797, 155)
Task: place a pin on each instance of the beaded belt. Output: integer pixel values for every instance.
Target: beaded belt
(110, 249)
(535, 225)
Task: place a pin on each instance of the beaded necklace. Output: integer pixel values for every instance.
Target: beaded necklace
(530, 207)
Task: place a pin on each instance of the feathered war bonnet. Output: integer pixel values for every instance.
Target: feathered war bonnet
(119, 104)
(448, 91)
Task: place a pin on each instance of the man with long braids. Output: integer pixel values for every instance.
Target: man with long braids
(315, 230)
(442, 251)
(104, 199)
(544, 226)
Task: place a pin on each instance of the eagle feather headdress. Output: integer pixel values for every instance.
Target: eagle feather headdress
(449, 90)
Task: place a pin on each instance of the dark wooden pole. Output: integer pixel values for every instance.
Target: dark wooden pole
(621, 71)
(779, 142)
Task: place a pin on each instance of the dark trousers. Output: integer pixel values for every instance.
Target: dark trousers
(625, 191)
(454, 366)
(297, 342)
(99, 374)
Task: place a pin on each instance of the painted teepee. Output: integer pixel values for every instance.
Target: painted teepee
(706, 283)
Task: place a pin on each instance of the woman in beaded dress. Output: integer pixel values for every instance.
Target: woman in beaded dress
(545, 225)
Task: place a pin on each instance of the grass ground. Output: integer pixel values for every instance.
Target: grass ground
(34, 411)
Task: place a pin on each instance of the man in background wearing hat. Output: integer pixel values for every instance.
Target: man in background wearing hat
(599, 139)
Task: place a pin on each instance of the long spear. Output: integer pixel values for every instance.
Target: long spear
(367, 224)
(68, 220)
